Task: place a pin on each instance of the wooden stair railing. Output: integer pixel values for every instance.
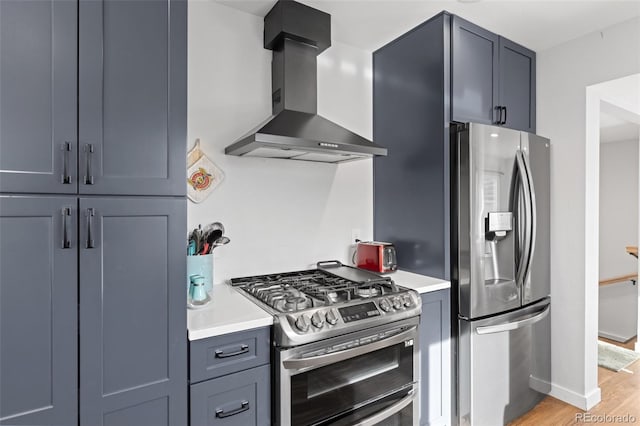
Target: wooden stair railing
(623, 278)
(632, 250)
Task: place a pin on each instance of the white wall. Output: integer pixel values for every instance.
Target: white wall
(563, 73)
(618, 303)
(280, 214)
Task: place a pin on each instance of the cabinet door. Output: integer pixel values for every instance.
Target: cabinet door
(435, 359)
(518, 85)
(132, 97)
(474, 68)
(239, 399)
(133, 346)
(38, 311)
(38, 45)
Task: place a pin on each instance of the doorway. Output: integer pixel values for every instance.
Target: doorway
(618, 230)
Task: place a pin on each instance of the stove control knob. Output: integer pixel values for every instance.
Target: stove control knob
(317, 320)
(397, 303)
(302, 323)
(385, 305)
(407, 300)
(332, 317)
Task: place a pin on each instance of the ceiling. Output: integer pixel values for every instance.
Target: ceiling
(538, 25)
(615, 129)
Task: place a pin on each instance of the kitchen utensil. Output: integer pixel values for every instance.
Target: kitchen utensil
(220, 242)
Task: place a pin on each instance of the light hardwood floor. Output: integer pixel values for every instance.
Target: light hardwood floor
(620, 397)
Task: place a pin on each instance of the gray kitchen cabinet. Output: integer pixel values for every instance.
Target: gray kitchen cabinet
(132, 97)
(474, 72)
(493, 78)
(133, 346)
(444, 70)
(38, 60)
(238, 399)
(518, 85)
(38, 310)
(435, 359)
(230, 378)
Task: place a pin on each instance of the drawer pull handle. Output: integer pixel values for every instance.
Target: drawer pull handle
(243, 350)
(221, 414)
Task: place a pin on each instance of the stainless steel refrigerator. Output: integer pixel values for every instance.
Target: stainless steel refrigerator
(500, 256)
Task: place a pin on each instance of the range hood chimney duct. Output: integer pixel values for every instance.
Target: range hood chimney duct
(297, 34)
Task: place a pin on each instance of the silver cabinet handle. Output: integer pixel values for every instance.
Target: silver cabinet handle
(381, 415)
(66, 149)
(320, 360)
(89, 150)
(90, 213)
(513, 325)
(66, 215)
(221, 414)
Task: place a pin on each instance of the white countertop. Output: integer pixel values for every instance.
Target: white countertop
(228, 312)
(417, 282)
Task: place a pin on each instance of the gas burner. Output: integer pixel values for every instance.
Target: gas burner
(295, 303)
(369, 291)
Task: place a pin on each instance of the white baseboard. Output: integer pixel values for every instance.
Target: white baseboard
(616, 337)
(583, 402)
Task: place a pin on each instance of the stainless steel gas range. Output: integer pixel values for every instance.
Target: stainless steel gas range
(345, 346)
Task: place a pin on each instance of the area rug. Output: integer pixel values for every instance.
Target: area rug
(614, 357)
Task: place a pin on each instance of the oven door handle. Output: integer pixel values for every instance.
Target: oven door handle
(320, 360)
(381, 415)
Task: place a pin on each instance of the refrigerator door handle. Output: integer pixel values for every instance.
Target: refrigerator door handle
(533, 223)
(528, 319)
(523, 178)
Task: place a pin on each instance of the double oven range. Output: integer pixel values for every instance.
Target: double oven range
(345, 346)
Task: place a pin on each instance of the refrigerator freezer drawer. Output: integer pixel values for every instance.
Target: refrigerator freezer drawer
(504, 365)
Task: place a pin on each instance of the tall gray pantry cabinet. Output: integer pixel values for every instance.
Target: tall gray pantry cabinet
(92, 212)
(445, 70)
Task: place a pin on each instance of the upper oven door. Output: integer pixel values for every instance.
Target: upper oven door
(356, 378)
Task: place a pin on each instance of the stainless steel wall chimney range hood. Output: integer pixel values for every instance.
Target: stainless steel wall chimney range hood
(297, 34)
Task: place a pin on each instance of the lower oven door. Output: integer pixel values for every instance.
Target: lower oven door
(363, 378)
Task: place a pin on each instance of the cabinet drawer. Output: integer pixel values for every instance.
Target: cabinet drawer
(229, 353)
(241, 399)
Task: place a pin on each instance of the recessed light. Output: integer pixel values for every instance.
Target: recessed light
(494, 135)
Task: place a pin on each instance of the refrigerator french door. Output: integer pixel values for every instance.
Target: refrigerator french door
(500, 220)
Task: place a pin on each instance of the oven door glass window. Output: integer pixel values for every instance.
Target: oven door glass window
(368, 382)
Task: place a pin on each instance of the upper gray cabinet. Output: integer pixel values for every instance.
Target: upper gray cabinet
(492, 78)
(38, 61)
(132, 97)
(518, 86)
(474, 69)
(93, 96)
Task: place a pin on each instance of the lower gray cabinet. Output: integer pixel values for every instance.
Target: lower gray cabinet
(133, 340)
(238, 399)
(435, 359)
(230, 377)
(38, 310)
